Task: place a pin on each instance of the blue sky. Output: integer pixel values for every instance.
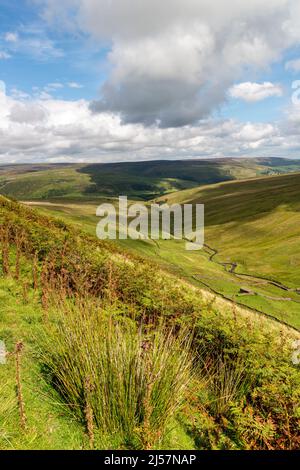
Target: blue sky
(157, 71)
(74, 58)
(66, 58)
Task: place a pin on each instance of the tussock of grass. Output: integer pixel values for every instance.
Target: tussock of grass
(132, 379)
(227, 380)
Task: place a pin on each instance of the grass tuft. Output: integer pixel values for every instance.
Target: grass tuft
(137, 376)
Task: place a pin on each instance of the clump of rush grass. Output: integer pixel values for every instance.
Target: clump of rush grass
(227, 379)
(138, 376)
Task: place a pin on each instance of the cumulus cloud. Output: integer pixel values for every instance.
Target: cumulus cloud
(53, 130)
(252, 92)
(173, 61)
(254, 134)
(27, 113)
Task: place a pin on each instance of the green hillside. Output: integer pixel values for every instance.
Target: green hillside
(252, 236)
(254, 227)
(138, 180)
(107, 350)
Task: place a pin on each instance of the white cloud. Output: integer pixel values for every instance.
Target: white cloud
(44, 95)
(52, 88)
(4, 55)
(47, 129)
(293, 65)
(19, 94)
(27, 113)
(173, 61)
(32, 41)
(253, 133)
(75, 85)
(41, 49)
(170, 64)
(11, 37)
(252, 92)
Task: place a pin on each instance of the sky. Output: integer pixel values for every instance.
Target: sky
(129, 80)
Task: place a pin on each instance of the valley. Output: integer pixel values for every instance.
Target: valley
(252, 235)
(217, 326)
(80, 317)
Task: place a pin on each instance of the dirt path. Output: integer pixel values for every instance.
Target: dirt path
(43, 203)
(256, 279)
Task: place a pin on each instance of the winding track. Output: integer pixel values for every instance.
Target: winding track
(257, 279)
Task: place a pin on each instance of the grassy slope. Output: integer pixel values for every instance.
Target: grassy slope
(43, 182)
(142, 180)
(263, 214)
(254, 223)
(50, 426)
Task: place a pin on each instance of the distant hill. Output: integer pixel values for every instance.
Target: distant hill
(140, 180)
